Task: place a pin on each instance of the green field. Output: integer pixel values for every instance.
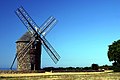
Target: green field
(63, 76)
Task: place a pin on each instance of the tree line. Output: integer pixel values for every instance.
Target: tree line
(92, 68)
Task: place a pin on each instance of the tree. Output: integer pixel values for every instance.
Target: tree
(95, 66)
(114, 54)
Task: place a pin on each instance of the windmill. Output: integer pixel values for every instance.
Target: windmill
(29, 53)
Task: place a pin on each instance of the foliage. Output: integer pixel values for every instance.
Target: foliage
(86, 68)
(91, 68)
(106, 67)
(95, 66)
(114, 54)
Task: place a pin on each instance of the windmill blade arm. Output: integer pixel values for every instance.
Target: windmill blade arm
(50, 50)
(49, 28)
(29, 19)
(29, 22)
(24, 21)
(46, 24)
(50, 46)
(50, 54)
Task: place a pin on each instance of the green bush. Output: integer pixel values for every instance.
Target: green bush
(116, 67)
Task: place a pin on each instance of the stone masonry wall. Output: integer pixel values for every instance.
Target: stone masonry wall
(24, 63)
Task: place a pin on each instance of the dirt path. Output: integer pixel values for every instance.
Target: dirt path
(46, 73)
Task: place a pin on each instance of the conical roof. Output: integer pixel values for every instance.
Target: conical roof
(25, 38)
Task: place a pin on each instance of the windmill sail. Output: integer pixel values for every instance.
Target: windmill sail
(50, 50)
(24, 21)
(48, 23)
(49, 27)
(26, 15)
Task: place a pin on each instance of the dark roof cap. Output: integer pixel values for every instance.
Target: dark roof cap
(25, 38)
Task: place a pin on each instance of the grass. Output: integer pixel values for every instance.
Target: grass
(62, 76)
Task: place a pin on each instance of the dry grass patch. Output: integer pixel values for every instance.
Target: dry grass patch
(62, 76)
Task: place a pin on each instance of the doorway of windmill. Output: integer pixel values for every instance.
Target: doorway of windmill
(32, 66)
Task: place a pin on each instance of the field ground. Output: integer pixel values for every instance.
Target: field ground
(107, 75)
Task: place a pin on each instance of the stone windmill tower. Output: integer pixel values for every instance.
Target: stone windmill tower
(29, 45)
(20, 43)
(31, 61)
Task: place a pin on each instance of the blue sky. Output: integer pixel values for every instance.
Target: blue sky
(84, 30)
